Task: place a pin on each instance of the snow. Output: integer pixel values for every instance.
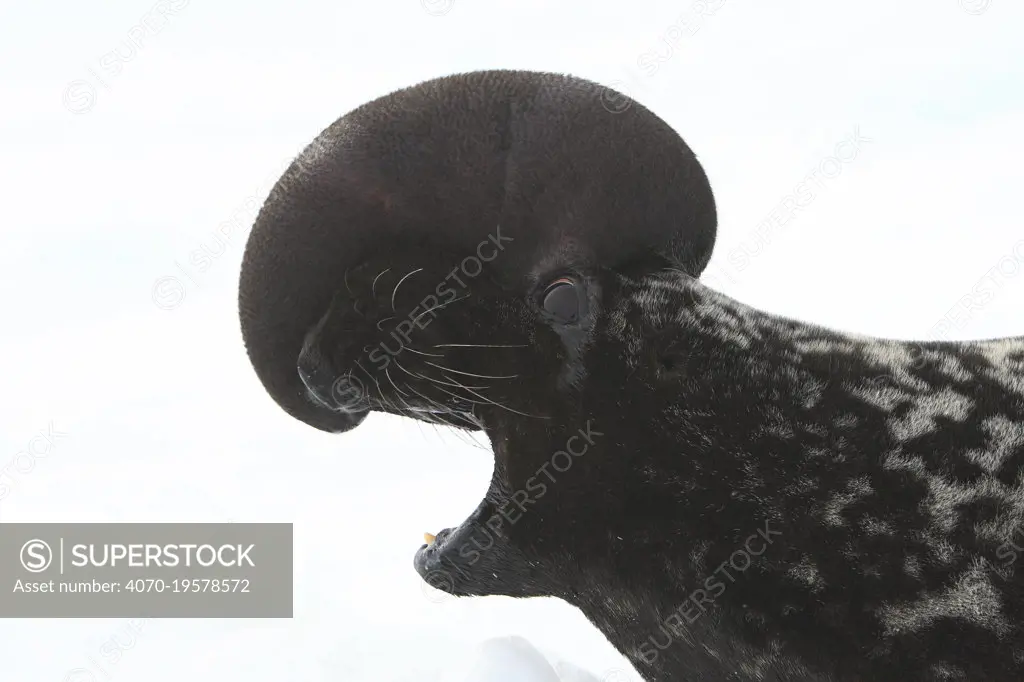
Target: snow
(162, 419)
(512, 658)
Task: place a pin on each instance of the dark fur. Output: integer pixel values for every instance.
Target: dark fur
(726, 494)
(867, 493)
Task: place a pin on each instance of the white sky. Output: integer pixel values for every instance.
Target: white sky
(165, 419)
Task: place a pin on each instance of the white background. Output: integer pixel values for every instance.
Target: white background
(110, 175)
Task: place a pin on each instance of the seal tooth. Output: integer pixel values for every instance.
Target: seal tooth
(429, 538)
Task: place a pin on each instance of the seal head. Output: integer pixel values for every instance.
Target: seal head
(491, 174)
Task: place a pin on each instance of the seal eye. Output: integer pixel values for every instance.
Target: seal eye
(562, 300)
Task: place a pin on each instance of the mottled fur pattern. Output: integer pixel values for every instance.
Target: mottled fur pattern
(890, 470)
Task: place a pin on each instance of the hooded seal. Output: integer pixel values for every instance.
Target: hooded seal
(726, 494)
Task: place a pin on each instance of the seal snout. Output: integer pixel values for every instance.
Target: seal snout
(399, 206)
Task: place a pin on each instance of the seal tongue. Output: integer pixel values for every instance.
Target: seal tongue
(429, 539)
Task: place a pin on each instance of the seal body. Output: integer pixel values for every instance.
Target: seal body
(793, 503)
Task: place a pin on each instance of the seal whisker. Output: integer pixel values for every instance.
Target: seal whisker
(379, 323)
(420, 416)
(504, 407)
(387, 373)
(409, 409)
(419, 352)
(428, 378)
(472, 417)
(425, 397)
(412, 374)
(344, 279)
(395, 291)
(373, 286)
(388, 406)
(470, 374)
(442, 406)
(456, 395)
(438, 307)
(446, 383)
(481, 345)
(380, 391)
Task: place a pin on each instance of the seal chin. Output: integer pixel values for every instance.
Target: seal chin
(428, 557)
(449, 555)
